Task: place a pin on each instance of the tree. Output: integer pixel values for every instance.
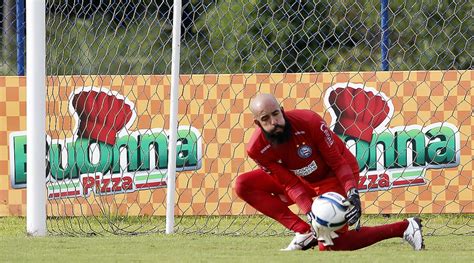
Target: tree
(344, 35)
(286, 36)
(234, 36)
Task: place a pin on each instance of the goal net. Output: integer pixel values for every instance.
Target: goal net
(409, 122)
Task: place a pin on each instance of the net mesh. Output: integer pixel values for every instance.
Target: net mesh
(8, 39)
(111, 55)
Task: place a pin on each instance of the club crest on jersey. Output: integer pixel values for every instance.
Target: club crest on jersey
(304, 151)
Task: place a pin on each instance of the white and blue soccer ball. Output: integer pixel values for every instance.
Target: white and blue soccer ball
(329, 210)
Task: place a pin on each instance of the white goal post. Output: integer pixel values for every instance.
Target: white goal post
(171, 175)
(36, 117)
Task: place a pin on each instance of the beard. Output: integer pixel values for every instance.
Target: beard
(279, 137)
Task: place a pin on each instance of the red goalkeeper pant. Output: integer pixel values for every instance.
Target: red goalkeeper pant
(366, 236)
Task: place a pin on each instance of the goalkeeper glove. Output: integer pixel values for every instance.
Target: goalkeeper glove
(324, 235)
(355, 212)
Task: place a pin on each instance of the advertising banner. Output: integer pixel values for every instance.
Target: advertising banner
(107, 139)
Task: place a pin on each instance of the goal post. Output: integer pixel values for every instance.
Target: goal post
(171, 175)
(36, 117)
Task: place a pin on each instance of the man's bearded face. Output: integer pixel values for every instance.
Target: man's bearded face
(279, 133)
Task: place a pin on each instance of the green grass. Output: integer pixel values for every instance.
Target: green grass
(17, 247)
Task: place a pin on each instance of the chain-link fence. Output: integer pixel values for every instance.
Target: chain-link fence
(134, 37)
(120, 52)
(9, 12)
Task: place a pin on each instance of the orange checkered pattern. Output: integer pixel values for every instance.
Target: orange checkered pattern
(217, 105)
(12, 118)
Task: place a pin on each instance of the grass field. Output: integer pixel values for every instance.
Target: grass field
(15, 246)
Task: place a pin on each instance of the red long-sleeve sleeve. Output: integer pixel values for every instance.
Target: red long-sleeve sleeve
(332, 153)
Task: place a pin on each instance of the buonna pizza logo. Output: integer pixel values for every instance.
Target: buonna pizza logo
(104, 156)
(388, 157)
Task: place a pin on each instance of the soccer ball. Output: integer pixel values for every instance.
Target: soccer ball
(329, 211)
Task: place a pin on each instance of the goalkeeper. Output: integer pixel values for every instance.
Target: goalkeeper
(299, 159)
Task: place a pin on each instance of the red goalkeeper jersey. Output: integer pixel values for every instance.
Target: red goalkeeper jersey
(312, 154)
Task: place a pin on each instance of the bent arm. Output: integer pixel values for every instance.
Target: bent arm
(293, 186)
(332, 154)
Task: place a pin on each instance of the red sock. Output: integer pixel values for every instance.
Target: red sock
(366, 236)
(260, 191)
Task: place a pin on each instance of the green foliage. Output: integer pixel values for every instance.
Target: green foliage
(431, 35)
(302, 36)
(269, 36)
(8, 38)
(93, 46)
(134, 37)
